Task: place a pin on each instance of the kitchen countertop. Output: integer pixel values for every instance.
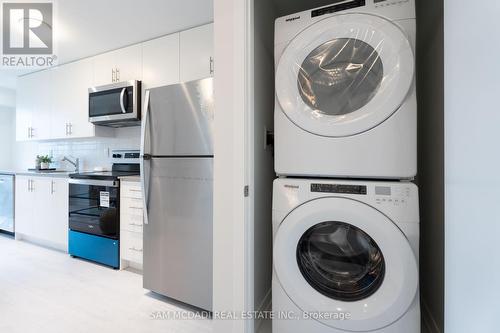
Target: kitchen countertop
(131, 178)
(60, 174)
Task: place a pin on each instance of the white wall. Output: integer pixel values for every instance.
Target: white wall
(7, 137)
(7, 97)
(472, 158)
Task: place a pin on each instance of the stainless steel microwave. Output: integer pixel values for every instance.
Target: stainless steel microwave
(116, 105)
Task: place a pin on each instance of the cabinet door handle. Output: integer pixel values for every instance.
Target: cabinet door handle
(211, 65)
(134, 249)
(113, 75)
(52, 187)
(29, 133)
(131, 207)
(117, 75)
(29, 185)
(70, 129)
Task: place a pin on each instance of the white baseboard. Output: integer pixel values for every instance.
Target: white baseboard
(42, 243)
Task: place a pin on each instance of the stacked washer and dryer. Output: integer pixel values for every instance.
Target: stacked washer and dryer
(345, 213)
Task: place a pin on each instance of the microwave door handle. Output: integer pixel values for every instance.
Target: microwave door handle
(145, 158)
(122, 104)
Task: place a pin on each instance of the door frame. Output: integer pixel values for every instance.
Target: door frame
(233, 147)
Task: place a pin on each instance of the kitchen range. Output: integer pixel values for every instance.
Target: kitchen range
(94, 210)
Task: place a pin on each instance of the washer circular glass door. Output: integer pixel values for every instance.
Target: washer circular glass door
(340, 261)
(336, 256)
(345, 74)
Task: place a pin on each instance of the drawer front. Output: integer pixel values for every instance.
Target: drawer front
(131, 246)
(131, 204)
(131, 222)
(132, 215)
(95, 248)
(131, 190)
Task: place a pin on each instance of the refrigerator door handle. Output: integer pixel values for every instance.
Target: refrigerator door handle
(145, 158)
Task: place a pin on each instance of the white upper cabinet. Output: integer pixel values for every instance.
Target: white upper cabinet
(119, 65)
(160, 61)
(197, 53)
(53, 103)
(70, 101)
(42, 111)
(34, 106)
(24, 103)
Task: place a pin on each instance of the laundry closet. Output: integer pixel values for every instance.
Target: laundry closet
(372, 128)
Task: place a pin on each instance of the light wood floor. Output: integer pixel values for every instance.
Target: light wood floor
(42, 290)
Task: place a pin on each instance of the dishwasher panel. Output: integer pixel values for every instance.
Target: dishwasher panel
(7, 203)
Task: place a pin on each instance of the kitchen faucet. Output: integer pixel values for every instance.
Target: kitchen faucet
(75, 163)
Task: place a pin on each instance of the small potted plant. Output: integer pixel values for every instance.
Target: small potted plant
(43, 162)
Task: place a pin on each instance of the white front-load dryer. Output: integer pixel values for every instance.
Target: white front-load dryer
(345, 256)
(345, 91)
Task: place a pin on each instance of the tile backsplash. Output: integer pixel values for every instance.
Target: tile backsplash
(93, 152)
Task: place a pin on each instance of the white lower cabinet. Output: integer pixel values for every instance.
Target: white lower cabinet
(131, 224)
(41, 210)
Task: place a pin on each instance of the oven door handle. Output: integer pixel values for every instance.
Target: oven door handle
(145, 158)
(94, 182)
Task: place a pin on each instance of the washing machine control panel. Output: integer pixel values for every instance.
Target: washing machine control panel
(338, 188)
(385, 3)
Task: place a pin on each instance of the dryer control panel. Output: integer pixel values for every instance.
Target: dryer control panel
(395, 196)
(338, 7)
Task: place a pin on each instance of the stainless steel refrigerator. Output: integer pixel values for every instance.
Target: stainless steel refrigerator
(177, 181)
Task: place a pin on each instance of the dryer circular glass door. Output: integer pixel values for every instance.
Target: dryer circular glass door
(345, 74)
(339, 257)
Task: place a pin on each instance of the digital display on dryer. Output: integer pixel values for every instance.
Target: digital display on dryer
(338, 8)
(338, 188)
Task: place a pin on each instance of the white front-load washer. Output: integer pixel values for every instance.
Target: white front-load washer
(345, 256)
(345, 91)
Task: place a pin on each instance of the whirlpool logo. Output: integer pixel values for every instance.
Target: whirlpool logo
(28, 34)
(291, 19)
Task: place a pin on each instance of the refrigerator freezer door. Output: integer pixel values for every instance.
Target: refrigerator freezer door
(181, 120)
(7, 203)
(178, 237)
